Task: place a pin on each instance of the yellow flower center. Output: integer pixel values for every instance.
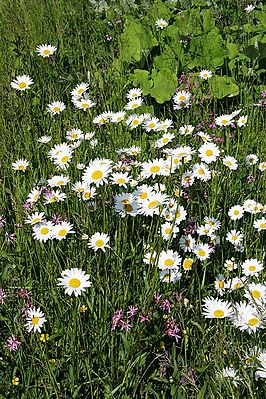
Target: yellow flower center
(187, 264)
(234, 238)
(121, 181)
(168, 262)
(252, 268)
(237, 285)
(65, 159)
(224, 122)
(153, 204)
(99, 243)
(152, 125)
(46, 51)
(80, 91)
(62, 232)
(74, 135)
(135, 122)
(98, 174)
(22, 85)
(60, 182)
(165, 140)
(182, 98)
(221, 284)
(236, 212)
(209, 153)
(36, 220)
(201, 252)
(128, 208)
(35, 320)
(218, 313)
(201, 171)
(74, 283)
(21, 167)
(87, 194)
(54, 199)
(56, 109)
(134, 105)
(253, 321)
(155, 169)
(44, 231)
(168, 230)
(229, 163)
(256, 294)
(263, 225)
(84, 105)
(143, 195)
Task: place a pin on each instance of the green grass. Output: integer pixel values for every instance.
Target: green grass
(83, 358)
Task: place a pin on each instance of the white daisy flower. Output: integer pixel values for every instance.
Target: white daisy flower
(205, 74)
(61, 230)
(99, 241)
(161, 23)
(35, 320)
(21, 165)
(56, 107)
(43, 232)
(236, 212)
(75, 281)
(22, 83)
(45, 50)
(216, 308)
(252, 267)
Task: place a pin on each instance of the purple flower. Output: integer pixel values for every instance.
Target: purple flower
(22, 293)
(2, 221)
(108, 38)
(250, 179)
(125, 325)
(263, 94)
(117, 319)
(13, 343)
(191, 377)
(10, 238)
(132, 311)
(3, 295)
(166, 306)
(27, 206)
(157, 297)
(172, 330)
(145, 318)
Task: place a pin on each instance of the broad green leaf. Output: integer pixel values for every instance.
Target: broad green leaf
(208, 20)
(166, 60)
(164, 85)
(233, 50)
(222, 86)
(142, 79)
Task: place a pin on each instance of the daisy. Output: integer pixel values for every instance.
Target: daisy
(260, 224)
(181, 99)
(150, 257)
(35, 320)
(249, 8)
(134, 121)
(99, 241)
(216, 308)
(165, 125)
(88, 193)
(180, 214)
(125, 204)
(152, 206)
(161, 23)
(133, 151)
(262, 166)
(79, 90)
(74, 281)
(187, 264)
(187, 243)
(57, 181)
(61, 230)
(22, 82)
(35, 218)
(205, 74)
(83, 103)
(201, 171)
(34, 195)
(230, 265)
(209, 152)
(236, 212)
(230, 162)
(121, 179)
(242, 121)
(169, 259)
(118, 117)
(205, 137)
(133, 104)
(44, 139)
(234, 237)
(224, 120)
(43, 232)
(230, 372)
(215, 224)
(235, 283)
(151, 124)
(97, 172)
(134, 93)
(186, 130)
(202, 251)
(75, 134)
(21, 165)
(54, 196)
(45, 50)
(170, 276)
(251, 159)
(255, 292)
(56, 107)
(252, 267)
(187, 179)
(219, 285)
(164, 140)
(63, 159)
(168, 230)
(144, 192)
(153, 168)
(251, 321)
(59, 149)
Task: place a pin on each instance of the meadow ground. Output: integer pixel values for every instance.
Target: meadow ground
(132, 222)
